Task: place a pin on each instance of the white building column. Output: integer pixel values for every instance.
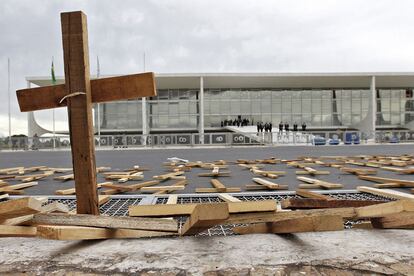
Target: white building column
(145, 130)
(367, 124)
(373, 104)
(201, 111)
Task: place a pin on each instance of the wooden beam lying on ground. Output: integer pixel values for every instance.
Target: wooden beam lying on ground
(218, 188)
(310, 194)
(348, 213)
(385, 192)
(358, 171)
(163, 210)
(9, 189)
(65, 177)
(314, 203)
(174, 175)
(311, 171)
(162, 188)
(153, 224)
(269, 185)
(115, 189)
(33, 177)
(214, 190)
(93, 233)
(215, 173)
(318, 183)
(19, 207)
(389, 208)
(269, 174)
(183, 183)
(72, 191)
(205, 216)
(305, 224)
(405, 183)
(401, 220)
(17, 231)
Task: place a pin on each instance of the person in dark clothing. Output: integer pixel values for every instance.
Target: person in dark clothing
(258, 127)
(295, 127)
(280, 126)
(222, 124)
(261, 126)
(286, 126)
(303, 126)
(270, 127)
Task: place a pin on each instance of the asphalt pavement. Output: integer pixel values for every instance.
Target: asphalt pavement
(153, 159)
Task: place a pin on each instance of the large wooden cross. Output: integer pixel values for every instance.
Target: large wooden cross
(78, 93)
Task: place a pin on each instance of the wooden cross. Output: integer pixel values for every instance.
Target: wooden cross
(78, 93)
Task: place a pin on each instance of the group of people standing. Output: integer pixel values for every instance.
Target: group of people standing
(285, 126)
(236, 122)
(267, 127)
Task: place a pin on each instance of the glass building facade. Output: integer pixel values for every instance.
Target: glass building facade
(319, 108)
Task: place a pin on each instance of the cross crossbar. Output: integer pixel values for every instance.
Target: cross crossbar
(102, 90)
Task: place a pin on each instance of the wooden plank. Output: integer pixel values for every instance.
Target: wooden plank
(261, 187)
(348, 213)
(252, 206)
(389, 208)
(128, 188)
(402, 220)
(309, 194)
(218, 185)
(17, 231)
(19, 207)
(77, 79)
(72, 191)
(358, 171)
(55, 207)
(228, 198)
(385, 192)
(161, 210)
(266, 183)
(22, 220)
(17, 187)
(172, 199)
(64, 177)
(315, 203)
(214, 190)
(320, 183)
(405, 183)
(205, 216)
(182, 183)
(306, 224)
(93, 233)
(153, 224)
(158, 188)
(102, 90)
(387, 185)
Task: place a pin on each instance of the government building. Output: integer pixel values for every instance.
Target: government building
(199, 103)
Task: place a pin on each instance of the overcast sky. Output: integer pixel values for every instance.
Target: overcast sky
(205, 36)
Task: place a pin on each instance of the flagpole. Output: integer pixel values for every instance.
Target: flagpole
(98, 106)
(53, 114)
(8, 95)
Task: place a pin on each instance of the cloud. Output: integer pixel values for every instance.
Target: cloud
(206, 36)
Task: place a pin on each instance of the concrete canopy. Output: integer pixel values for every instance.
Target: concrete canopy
(271, 80)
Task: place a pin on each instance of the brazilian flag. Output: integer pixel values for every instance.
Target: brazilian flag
(53, 74)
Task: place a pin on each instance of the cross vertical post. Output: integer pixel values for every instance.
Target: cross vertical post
(77, 79)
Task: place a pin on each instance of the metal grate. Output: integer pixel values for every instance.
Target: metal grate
(119, 206)
(113, 207)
